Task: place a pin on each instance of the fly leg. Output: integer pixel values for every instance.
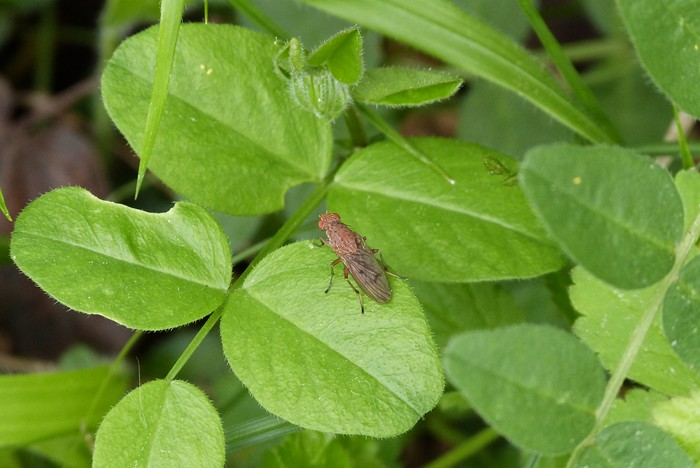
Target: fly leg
(346, 272)
(337, 260)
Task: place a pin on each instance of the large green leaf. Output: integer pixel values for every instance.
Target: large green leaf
(143, 270)
(665, 34)
(44, 406)
(613, 211)
(448, 33)
(161, 423)
(537, 385)
(231, 136)
(316, 361)
(637, 444)
(478, 229)
(610, 317)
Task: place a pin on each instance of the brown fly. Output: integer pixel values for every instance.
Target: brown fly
(358, 260)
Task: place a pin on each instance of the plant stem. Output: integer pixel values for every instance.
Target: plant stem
(358, 135)
(595, 49)
(402, 142)
(566, 68)
(277, 240)
(116, 364)
(112, 370)
(46, 45)
(686, 158)
(465, 450)
(3, 208)
(666, 148)
(630, 352)
(257, 247)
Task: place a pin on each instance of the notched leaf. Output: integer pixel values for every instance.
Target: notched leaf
(143, 270)
(233, 148)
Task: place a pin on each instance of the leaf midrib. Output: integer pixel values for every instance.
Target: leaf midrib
(448, 207)
(296, 169)
(337, 352)
(124, 260)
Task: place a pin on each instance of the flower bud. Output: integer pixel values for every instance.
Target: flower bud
(317, 91)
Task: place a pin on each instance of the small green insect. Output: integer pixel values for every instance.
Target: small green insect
(358, 260)
(497, 168)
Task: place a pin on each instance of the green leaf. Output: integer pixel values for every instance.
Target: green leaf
(420, 222)
(43, 406)
(680, 417)
(231, 136)
(454, 308)
(635, 444)
(400, 86)
(312, 358)
(681, 314)
(3, 208)
(168, 28)
(312, 26)
(610, 317)
(665, 35)
(161, 423)
(537, 385)
(441, 29)
(143, 270)
(342, 55)
(613, 211)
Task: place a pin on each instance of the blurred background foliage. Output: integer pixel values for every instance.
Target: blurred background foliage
(54, 132)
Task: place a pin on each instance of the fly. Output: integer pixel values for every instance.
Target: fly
(358, 260)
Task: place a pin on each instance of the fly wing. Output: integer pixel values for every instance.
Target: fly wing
(369, 274)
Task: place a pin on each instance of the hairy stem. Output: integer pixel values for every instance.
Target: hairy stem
(632, 349)
(280, 238)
